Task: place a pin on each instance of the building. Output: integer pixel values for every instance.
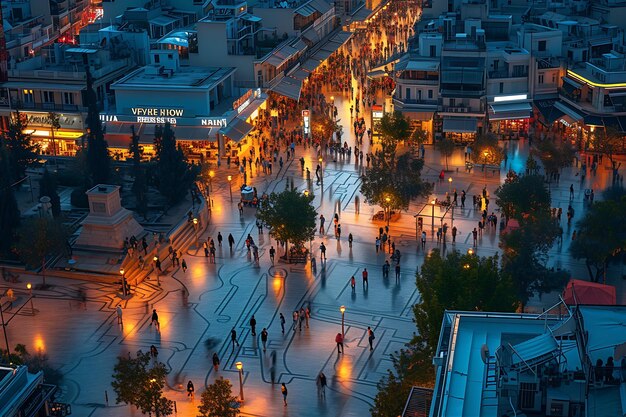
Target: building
(55, 81)
(503, 364)
(25, 394)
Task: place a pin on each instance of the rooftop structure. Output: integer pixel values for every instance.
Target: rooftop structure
(23, 393)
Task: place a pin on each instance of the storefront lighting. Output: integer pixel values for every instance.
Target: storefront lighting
(593, 83)
(514, 97)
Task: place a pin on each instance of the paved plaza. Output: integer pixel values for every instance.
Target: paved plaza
(85, 342)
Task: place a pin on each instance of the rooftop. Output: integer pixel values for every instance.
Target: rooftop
(184, 77)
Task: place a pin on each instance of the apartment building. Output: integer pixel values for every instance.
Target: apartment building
(25, 394)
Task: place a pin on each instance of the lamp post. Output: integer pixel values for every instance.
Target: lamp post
(432, 217)
(230, 187)
(122, 272)
(195, 229)
(332, 107)
(158, 273)
(29, 287)
(239, 366)
(485, 155)
(470, 251)
(321, 160)
(343, 310)
(211, 175)
(388, 200)
(449, 185)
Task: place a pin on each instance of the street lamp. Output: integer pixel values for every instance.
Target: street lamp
(320, 160)
(211, 175)
(485, 155)
(29, 287)
(470, 251)
(122, 272)
(449, 185)
(306, 193)
(230, 186)
(343, 310)
(388, 200)
(195, 229)
(239, 366)
(432, 217)
(158, 273)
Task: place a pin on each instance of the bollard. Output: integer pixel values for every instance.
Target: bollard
(106, 397)
(175, 409)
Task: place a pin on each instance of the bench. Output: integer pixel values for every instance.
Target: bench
(297, 259)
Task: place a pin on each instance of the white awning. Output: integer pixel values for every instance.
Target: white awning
(162, 20)
(288, 87)
(250, 18)
(509, 111)
(252, 107)
(376, 74)
(422, 66)
(195, 133)
(459, 125)
(237, 129)
(568, 110)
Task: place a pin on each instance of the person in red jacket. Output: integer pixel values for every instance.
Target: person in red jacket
(339, 340)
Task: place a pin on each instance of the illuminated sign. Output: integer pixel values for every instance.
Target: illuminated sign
(306, 118)
(613, 85)
(244, 101)
(156, 112)
(565, 123)
(156, 120)
(65, 121)
(514, 97)
(214, 121)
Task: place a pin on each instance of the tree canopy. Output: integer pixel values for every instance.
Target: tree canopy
(290, 215)
(174, 175)
(48, 188)
(454, 282)
(136, 382)
(98, 157)
(601, 232)
(608, 141)
(486, 150)
(217, 400)
(522, 196)
(9, 212)
(393, 128)
(446, 148)
(554, 156)
(22, 152)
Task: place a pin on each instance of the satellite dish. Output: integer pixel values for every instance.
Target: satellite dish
(484, 353)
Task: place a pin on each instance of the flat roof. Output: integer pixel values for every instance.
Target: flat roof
(184, 77)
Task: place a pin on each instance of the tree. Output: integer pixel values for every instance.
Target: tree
(174, 174)
(98, 157)
(325, 125)
(35, 363)
(608, 141)
(140, 183)
(53, 120)
(486, 150)
(48, 187)
(554, 156)
(290, 215)
(418, 137)
(138, 384)
(38, 239)
(9, 212)
(522, 196)
(393, 128)
(601, 235)
(454, 282)
(399, 180)
(217, 400)
(21, 150)
(446, 147)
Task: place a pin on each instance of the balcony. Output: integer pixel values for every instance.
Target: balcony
(51, 107)
(461, 109)
(422, 81)
(504, 73)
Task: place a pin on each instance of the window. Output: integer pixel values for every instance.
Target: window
(28, 96)
(433, 50)
(553, 78)
(157, 59)
(496, 64)
(48, 97)
(430, 93)
(170, 56)
(408, 94)
(68, 98)
(501, 88)
(540, 79)
(541, 46)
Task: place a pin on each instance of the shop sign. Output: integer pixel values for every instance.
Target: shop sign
(306, 118)
(244, 101)
(565, 122)
(65, 121)
(377, 112)
(156, 112)
(213, 121)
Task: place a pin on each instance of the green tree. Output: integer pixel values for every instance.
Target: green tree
(21, 150)
(137, 383)
(554, 156)
(174, 174)
(48, 187)
(98, 157)
(486, 150)
(9, 212)
(453, 282)
(418, 137)
(601, 235)
(35, 363)
(608, 141)
(41, 238)
(523, 196)
(140, 183)
(393, 128)
(217, 400)
(446, 147)
(290, 215)
(325, 125)
(399, 180)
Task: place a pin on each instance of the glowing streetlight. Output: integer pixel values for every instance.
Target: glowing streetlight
(29, 287)
(449, 185)
(122, 273)
(210, 188)
(388, 200)
(239, 366)
(230, 186)
(343, 310)
(470, 251)
(432, 217)
(320, 160)
(306, 193)
(195, 229)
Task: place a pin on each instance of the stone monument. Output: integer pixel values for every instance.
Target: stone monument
(108, 223)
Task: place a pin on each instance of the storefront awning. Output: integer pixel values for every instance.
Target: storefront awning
(419, 115)
(322, 55)
(568, 110)
(288, 87)
(591, 120)
(373, 75)
(459, 125)
(252, 107)
(341, 37)
(509, 111)
(300, 74)
(236, 130)
(310, 64)
(281, 56)
(311, 35)
(549, 113)
(572, 83)
(195, 133)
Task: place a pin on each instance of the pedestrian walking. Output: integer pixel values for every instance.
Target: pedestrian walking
(350, 240)
(183, 265)
(264, 338)
(397, 272)
(231, 241)
(216, 362)
(283, 390)
(301, 317)
(339, 341)
(423, 240)
(154, 353)
(233, 338)
(307, 316)
(273, 366)
(272, 254)
(370, 337)
(365, 277)
(475, 236)
(295, 317)
(282, 323)
(119, 312)
(253, 325)
(155, 320)
(322, 221)
(322, 251)
(454, 230)
(462, 198)
(377, 245)
(190, 389)
(353, 283)
(357, 204)
(571, 192)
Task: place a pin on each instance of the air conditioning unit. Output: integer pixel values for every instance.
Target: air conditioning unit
(557, 407)
(530, 396)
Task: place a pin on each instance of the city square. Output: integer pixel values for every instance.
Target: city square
(160, 183)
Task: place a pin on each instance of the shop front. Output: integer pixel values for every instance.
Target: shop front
(461, 130)
(421, 120)
(235, 137)
(510, 119)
